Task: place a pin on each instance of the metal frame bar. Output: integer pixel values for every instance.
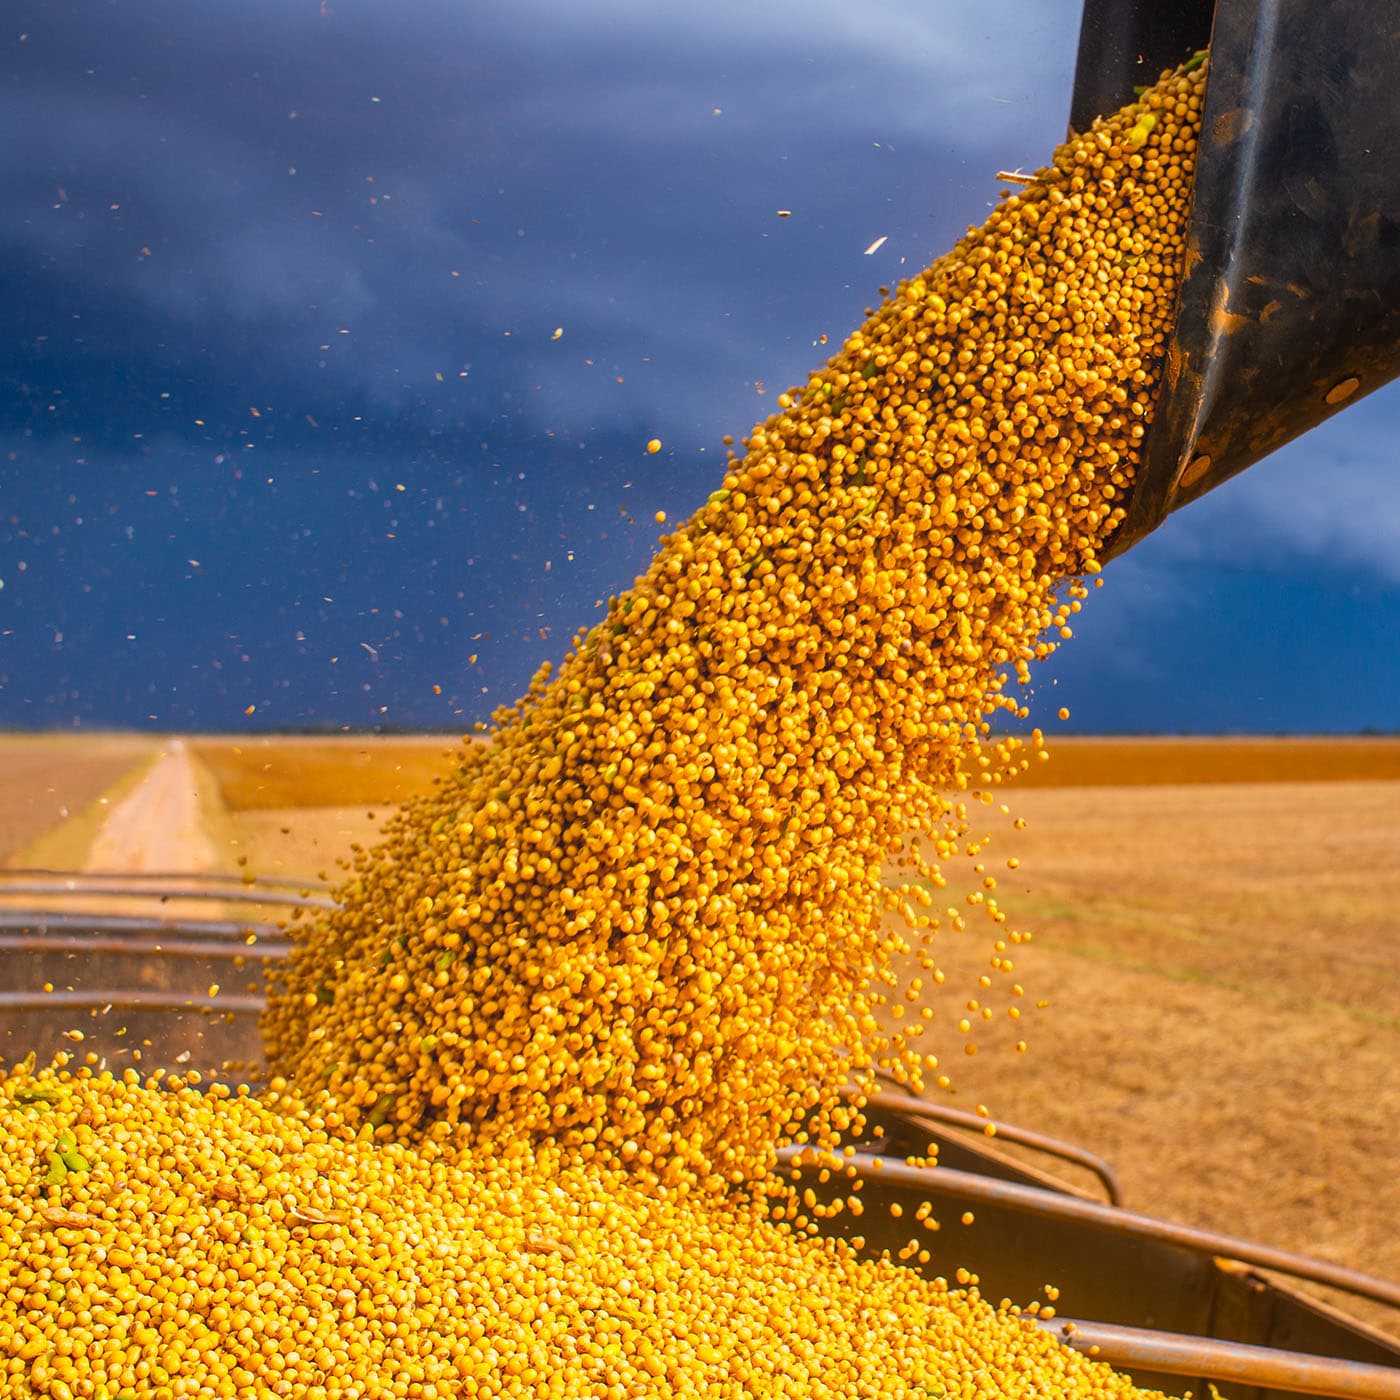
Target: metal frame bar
(40, 921)
(1005, 1132)
(234, 893)
(198, 877)
(1180, 1354)
(132, 999)
(262, 950)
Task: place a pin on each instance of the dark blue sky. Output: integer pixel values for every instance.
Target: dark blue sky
(284, 421)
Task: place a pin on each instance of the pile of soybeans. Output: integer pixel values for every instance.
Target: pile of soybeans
(532, 1071)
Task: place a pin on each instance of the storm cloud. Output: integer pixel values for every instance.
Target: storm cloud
(367, 311)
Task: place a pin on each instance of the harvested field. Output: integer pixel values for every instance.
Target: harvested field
(292, 771)
(301, 842)
(1143, 761)
(289, 771)
(1222, 965)
(47, 780)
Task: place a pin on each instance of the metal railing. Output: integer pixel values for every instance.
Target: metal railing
(1168, 1353)
(271, 891)
(1035, 1200)
(924, 1111)
(1230, 1363)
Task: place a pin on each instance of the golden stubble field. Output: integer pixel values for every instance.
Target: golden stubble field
(48, 781)
(1216, 931)
(1221, 964)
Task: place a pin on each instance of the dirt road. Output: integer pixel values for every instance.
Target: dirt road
(157, 827)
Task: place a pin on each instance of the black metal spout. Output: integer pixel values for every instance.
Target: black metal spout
(1289, 309)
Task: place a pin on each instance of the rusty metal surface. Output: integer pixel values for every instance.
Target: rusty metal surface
(1227, 1363)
